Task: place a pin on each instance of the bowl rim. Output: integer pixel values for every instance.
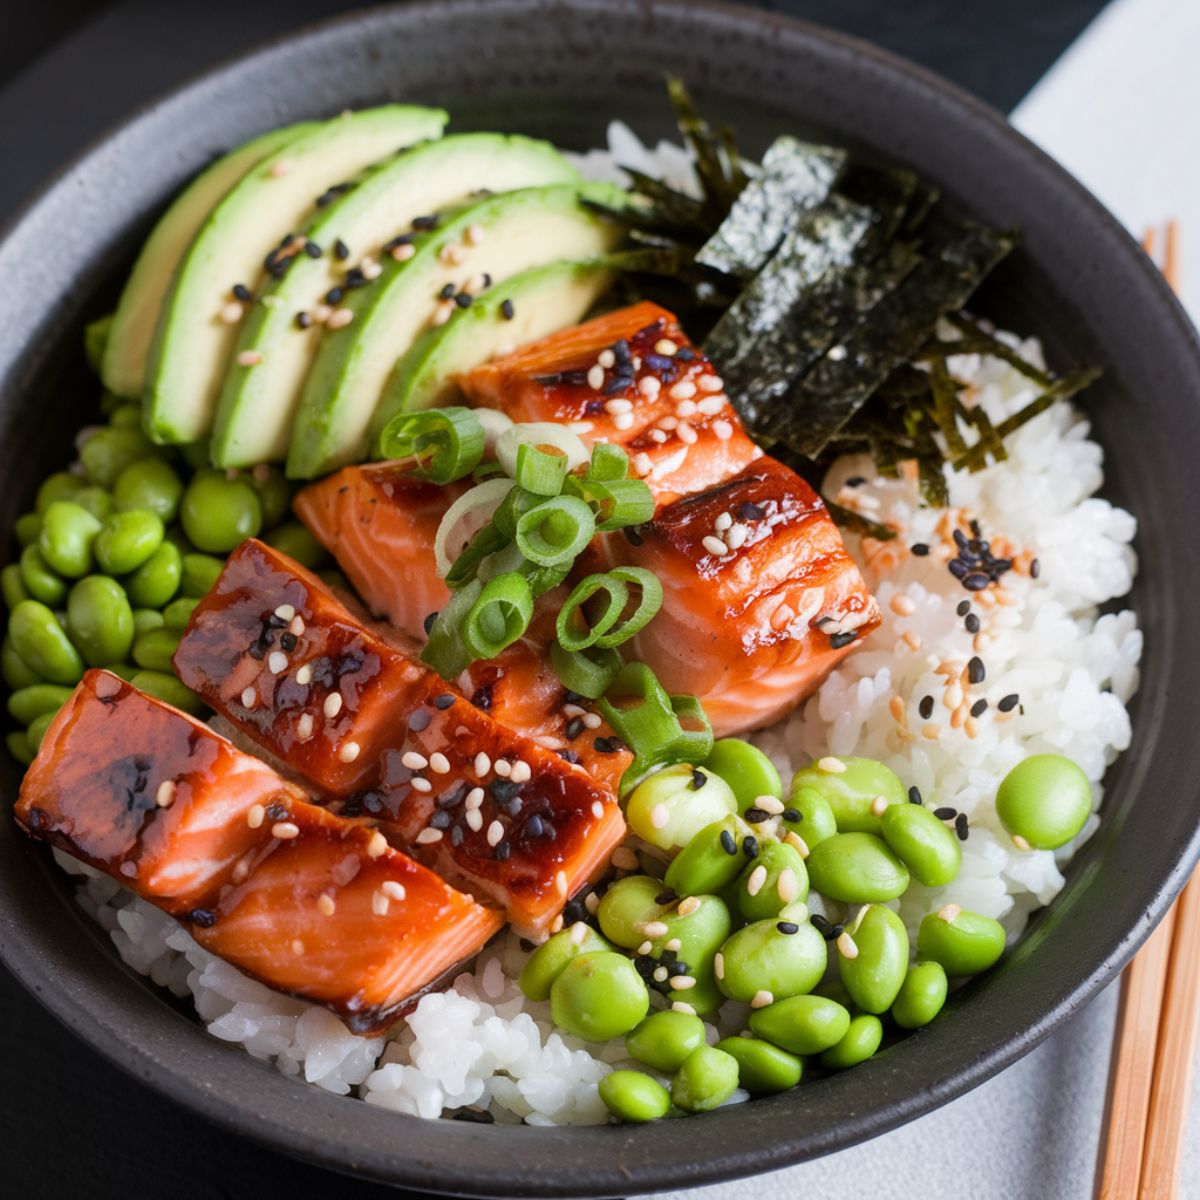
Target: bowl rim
(36, 966)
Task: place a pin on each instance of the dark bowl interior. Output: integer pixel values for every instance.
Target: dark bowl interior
(561, 69)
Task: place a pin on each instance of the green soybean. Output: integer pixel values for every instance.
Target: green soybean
(127, 540)
(41, 642)
(809, 817)
(711, 860)
(634, 1096)
(705, 1079)
(109, 451)
(292, 539)
(218, 514)
(179, 612)
(858, 1043)
(96, 500)
(27, 527)
(100, 620)
(695, 929)
(627, 906)
(747, 770)
(168, 689)
(17, 672)
(672, 806)
(965, 943)
(774, 879)
(856, 789)
(802, 1024)
(37, 730)
(126, 416)
(157, 580)
(18, 746)
(29, 702)
(598, 996)
(68, 534)
(762, 959)
(1044, 801)
(145, 619)
(274, 493)
(13, 586)
(154, 649)
(550, 959)
(664, 1039)
(39, 579)
(874, 970)
(62, 485)
(921, 995)
(200, 572)
(151, 484)
(928, 848)
(856, 868)
(763, 1069)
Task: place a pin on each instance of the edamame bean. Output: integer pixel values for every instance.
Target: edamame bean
(218, 514)
(548, 961)
(856, 868)
(96, 500)
(965, 943)
(705, 1080)
(109, 451)
(691, 933)
(99, 620)
(179, 612)
(634, 1096)
(857, 790)
(68, 534)
(711, 860)
(664, 1039)
(747, 770)
(872, 958)
(17, 672)
(27, 527)
(763, 1069)
(39, 580)
(62, 485)
(168, 689)
(37, 730)
(1044, 801)
(674, 804)
(43, 645)
(292, 539)
(29, 702)
(858, 1043)
(126, 416)
(809, 817)
(18, 746)
(200, 572)
(274, 493)
(598, 996)
(802, 1024)
(145, 619)
(770, 882)
(150, 483)
(127, 540)
(13, 586)
(155, 648)
(927, 847)
(154, 583)
(771, 960)
(922, 995)
(626, 906)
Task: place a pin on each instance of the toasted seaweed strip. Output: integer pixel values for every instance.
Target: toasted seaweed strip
(888, 334)
(673, 208)
(976, 340)
(795, 177)
(717, 162)
(857, 523)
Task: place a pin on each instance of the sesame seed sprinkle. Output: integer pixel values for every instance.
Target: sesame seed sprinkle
(831, 765)
(165, 796)
(377, 845)
(333, 704)
(414, 761)
(255, 816)
(494, 833)
(762, 998)
(304, 727)
(285, 830)
(439, 763)
(326, 905)
(428, 836)
(348, 751)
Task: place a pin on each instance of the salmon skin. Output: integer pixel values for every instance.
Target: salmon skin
(754, 627)
(339, 692)
(305, 901)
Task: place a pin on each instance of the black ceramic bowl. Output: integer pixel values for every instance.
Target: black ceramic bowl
(561, 69)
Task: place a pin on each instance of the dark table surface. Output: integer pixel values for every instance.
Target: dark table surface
(73, 1124)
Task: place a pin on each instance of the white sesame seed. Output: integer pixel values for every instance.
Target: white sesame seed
(642, 463)
(393, 889)
(474, 798)
(474, 819)
(660, 974)
(645, 948)
(595, 377)
(320, 313)
(427, 837)
(1020, 842)
(502, 767)
(786, 885)
(723, 430)
(475, 234)
(723, 522)
(521, 772)
(669, 423)
(683, 1007)
(129, 869)
(606, 359)
(249, 698)
(255, 816)
(762, 998)
(285, 830)
(655, 929)
(685, 408)
(658, 435)
(879, 806)
(710, 405)
(659, 816)
(304, 675)
(340, 318)
(902, 605)
(623, 421)
(617, 406)
(573, 710)
(674, 945)
(241, 869)
(495, 832)
(797, 843)
(710, 383)
(232, 312)
(450, 255)
(370, 268)
(443, 312)
(165, 796)
(420, 784)
(414, 761)
(665, 347)
(688, 905)
(580, 426)
(948, 912)
(758, 877)
(379, 902)
(597, 810)
(579, 932)
(715, 546)
(592, 720)
(403, 252)
(483, 764)
(831, 765)
(249, 358)
(624, 859)
(771, 804)
(285, 612)
(325, 904)
(349, 751)
(719, 965)
(592, 902)
(333, 704)
(681, 983)
(649, 386)
(847, 946)
(377, 845)
(439, 764)
(277, 662)
(687, 434)
(685, 389)
(304, 727)
(736, 535)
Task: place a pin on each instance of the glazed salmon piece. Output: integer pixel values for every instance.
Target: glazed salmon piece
(148, 795)
(761, 597)
(380, 523)
(335, 915)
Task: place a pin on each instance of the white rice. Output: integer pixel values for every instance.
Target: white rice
(482, 1045)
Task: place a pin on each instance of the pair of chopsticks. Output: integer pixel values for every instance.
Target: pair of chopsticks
(1159, 1012)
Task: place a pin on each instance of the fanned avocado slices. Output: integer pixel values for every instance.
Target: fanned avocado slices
(253, 226)
(281, 334)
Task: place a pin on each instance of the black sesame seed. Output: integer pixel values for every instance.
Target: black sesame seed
(925, 708)
(533, 827)
(748, 511)
(957, 568)
(503, 851)
(334, 295)
(618, 383)
(427, 624)
(204, 917)
(920, 549)
(303, 320)
(571, 756)
(428, 222)
(340, 250)
(960, 539)
(677, 968)
(440, 820)
(667, 897)
(971, 623)
(574, 728)
(355, 278)
(788, 927)
(604, 745)
(914, 795)
(976, 672)
(792, 814)
(979, 708)
(750, 846)
(312, 250)
(961, 827)
(1035, 569)
(842, 639)
(276, 812)
(964, 607)
(446, 292)
(507, 311)
(945, 814)
(819, 923)
(487, 280)
(482, 697)
(699, 779)
(756, 816)
(1009, 702)
(463, 299)
(443, 702)
(241, 292)
(419, 721)
(456, 836)
(855, 481)
(503, 790)
(728, 842)
(835, 932)
(976, 582)
(287, 642)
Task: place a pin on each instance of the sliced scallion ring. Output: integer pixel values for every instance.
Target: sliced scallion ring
(588, 672)
(494, 423)
(446, 651)
(447, 443)
(608, 463)
(540, 471)
(499, 615)
(575, 630)
(465, 518)
(556, 531)
(622, 502)
(647, 606)
(539, 433)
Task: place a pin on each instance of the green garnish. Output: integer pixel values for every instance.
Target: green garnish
(447, 443)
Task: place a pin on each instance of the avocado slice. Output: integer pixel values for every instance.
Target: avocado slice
(341, 409)
(521, 309)
(258, 403)
(194, 336)
(123, 366)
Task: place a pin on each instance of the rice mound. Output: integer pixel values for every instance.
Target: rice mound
(482, 1045)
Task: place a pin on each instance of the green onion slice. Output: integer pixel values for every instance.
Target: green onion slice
(588, 672)
(447, 443)
(446, 651)
(576, 631)
(539, 433)
(541, 471)
(499, 616)
(621, 503)
(608, 463)
(555, 531)
(470, 513)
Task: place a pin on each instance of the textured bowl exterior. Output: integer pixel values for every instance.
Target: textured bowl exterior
(561, 69)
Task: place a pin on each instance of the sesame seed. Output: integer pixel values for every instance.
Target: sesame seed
(502, 767)
(660, 975)
(979, 708)
(655, 929)
(649, 386)
(925, 708)
(723, 429)
(483, 764)
(735, 536)
(379, 902)
(682, 1007)
(624, 859)
(325, 904)
(685, 389)
(377, 845)
(249, 698)
(475, 234)
(685, 408)
(948, 912)
(715, 546)
(414, 761)
(333, 704)
(723, 522)
(285, 612)
(578, 934)
(976, 672)
(232, 312)
(595, 377)
(681, 983)
(879, 806)
(665, 347)
(521, 772)
(591, 902)
(847, 946)
(645, 948)
(556, 924)
(348, 751)
(592, 720)
(403, 252)
(443, 312)
(762, 998)
(320, 313)
(758, 877)
(420, 784)
(786, 885)
(339, 318)
(249, 358)
(710, 383)
(494, 833)
(770, 804)
(623, 421)
(474, 819)
(1020, 842)
(831, 765)
(618, 406)
(285, 830)
(1009, 702)
(277, 662)
(255, 816)
(797, 843)
(474, 798)
(439, 763)
(428, 836)
(165, 796)
(304, 727)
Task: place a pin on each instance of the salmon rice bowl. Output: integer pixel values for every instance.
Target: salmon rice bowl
(557, 639)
